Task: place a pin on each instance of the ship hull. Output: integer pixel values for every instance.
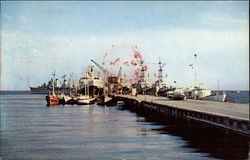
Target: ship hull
(52, 100)
(40, 90)
(44, 90)
(93, 91)
(219, 98)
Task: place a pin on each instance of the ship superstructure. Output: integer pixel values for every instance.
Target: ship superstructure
(91, 83)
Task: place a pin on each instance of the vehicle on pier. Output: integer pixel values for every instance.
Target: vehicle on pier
(178, 94)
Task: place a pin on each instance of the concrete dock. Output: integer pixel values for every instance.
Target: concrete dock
(230, 116)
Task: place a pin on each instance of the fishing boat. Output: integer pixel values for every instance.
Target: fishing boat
(70, 99)
(86, 81)
(61, 98)
(72, 95)
(52, 99)
(85, 99)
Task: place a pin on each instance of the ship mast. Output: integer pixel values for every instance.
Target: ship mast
(196, 67)
(53, 83)
(160, 71)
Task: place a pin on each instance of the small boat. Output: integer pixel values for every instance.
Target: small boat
(219, 96)
(85, 99)
(66, 99)
(52, 100)
(61, 98)
(69, 99)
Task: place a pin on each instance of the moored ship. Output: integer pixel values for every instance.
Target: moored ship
(39, 90)
(52, 99)
(47, 88)
(160, 87)
(94, 84)
(201, 92)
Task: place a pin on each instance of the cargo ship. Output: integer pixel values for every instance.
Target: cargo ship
(39, 90)
(94, 84)
(42, 89)
(47, 88)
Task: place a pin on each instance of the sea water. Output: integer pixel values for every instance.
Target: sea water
(30, 130)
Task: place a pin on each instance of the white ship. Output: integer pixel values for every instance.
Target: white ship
(202, 92)
(94, 84)
(85, 99)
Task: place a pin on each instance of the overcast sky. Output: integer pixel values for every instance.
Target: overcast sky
(40, 37)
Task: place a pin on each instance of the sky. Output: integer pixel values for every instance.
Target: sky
(38, 38)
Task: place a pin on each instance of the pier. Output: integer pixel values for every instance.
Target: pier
(231, 117)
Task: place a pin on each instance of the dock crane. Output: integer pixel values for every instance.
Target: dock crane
(114, 82)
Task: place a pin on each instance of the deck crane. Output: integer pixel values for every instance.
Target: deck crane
(112, 82)
(120, 72)
(100, 67)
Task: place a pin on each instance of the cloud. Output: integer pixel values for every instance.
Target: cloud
(220, 53)
(223, 20)
(48, 10)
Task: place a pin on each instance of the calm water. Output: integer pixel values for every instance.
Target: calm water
(30, 130)
(234, 97)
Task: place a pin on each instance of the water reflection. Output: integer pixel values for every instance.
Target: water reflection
(212, 141)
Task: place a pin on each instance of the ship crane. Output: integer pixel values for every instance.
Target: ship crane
(100, 67)
(120, 72)
(105, 72)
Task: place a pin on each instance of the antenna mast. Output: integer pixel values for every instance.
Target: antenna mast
(53, 83)
(160, 71)
(196, 67)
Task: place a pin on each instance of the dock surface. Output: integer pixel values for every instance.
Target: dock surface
(232, 110)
